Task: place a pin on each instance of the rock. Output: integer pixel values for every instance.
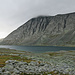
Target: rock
(34, 68)
(8, 68)
(10, 61)
(41, 64)
(34, 63)
(55, 72)
(49, 74)
(45, 30)
(25, 63)
(16, 71)
(7, 73)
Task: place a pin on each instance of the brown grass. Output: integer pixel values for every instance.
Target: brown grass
(4, 58)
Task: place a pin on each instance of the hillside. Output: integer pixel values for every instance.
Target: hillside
(45, 30)
(1, 40)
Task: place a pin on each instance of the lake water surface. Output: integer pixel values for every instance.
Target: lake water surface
(37, 49)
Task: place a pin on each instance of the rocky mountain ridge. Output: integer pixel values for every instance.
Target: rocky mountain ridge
(56, 30)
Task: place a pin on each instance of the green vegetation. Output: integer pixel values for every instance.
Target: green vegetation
(5, 55)
(4, 58)
(55, 54)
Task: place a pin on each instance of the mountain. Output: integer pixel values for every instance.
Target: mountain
(1, 40)
(56, 30)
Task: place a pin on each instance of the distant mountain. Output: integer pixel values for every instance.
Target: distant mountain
(56, 30)
(1, 40)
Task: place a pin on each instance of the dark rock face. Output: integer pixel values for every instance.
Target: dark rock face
(45, 30)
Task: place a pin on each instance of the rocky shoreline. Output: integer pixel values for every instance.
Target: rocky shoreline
(51, 63)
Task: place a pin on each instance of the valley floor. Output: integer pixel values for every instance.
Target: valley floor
(15, 62)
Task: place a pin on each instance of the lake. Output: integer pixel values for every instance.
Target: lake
(37, 49)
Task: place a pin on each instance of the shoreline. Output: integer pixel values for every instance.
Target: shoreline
(61, 62)
(38, 49)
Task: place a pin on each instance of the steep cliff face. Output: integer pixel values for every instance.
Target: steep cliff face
(45, 30)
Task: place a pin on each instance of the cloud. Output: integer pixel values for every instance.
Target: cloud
(14, 13)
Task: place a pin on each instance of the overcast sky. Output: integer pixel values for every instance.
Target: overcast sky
(13, 13)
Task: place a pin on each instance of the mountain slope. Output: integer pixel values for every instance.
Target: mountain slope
(1, 40)
(45, 30)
